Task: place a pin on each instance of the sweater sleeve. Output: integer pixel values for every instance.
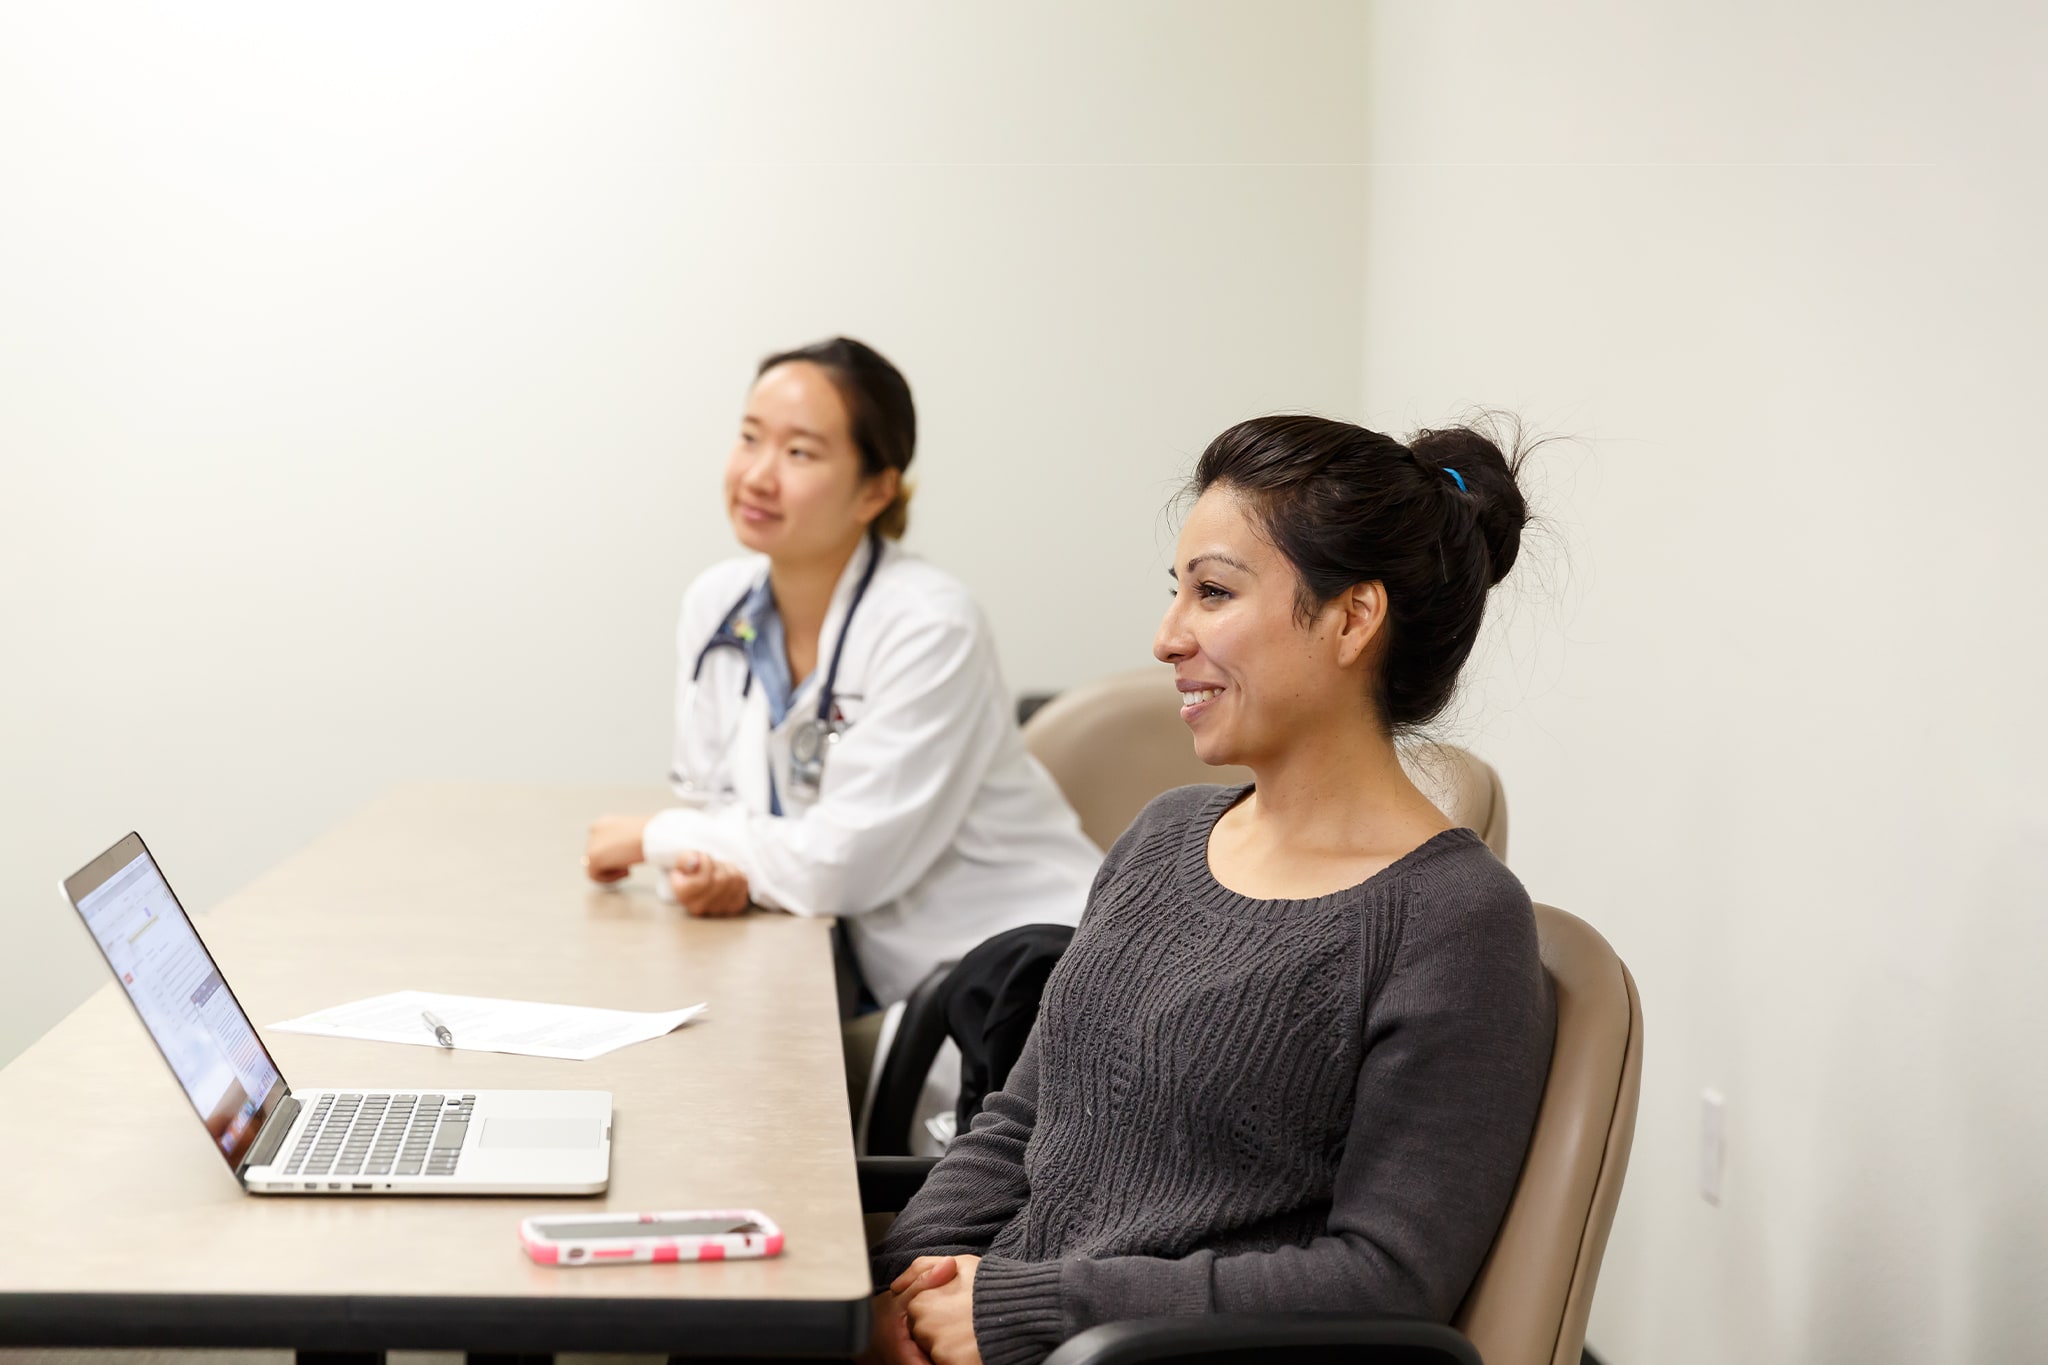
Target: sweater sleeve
(1457, 1049)
(979, 1184)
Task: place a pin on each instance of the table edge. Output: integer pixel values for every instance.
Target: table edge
(356, 1322)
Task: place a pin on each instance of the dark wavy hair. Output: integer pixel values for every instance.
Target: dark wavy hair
(1437, 521)
(878, 406)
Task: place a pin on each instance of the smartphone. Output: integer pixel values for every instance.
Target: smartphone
(626, 1238)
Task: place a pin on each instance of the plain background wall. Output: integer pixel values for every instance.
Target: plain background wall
(1768, 697)
(366, 371)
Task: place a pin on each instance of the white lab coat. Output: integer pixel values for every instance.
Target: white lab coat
(933, 827)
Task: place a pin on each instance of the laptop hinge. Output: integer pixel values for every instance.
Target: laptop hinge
(271, 1135)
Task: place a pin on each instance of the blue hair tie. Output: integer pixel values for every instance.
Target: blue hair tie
(1456, 477)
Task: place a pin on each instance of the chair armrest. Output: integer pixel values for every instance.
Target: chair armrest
(1245, 1338)
(887, 1182)
(920, 1033)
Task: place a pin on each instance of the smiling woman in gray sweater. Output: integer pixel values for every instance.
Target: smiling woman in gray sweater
(1292, 1059)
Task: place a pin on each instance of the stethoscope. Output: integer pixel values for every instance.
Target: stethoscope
(811, 741)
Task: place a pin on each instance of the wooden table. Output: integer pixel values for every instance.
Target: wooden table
(124, 1227)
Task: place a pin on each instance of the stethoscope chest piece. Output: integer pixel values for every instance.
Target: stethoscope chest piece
(809, 743)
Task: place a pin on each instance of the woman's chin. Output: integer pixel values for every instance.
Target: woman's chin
(1214, 750)
(757, 536)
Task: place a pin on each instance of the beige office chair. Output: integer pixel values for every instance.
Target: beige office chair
(1114, 744)
(1530, 1302)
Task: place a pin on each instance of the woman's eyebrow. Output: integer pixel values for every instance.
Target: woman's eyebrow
(1220, 558)
(795, 433)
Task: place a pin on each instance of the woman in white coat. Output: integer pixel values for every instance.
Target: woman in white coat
(845, 744)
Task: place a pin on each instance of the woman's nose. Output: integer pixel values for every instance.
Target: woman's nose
(1171, 644)
(758, 470)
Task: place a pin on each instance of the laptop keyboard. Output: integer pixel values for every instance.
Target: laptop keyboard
(382, 1135)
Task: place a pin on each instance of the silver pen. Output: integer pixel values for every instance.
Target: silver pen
(441, 1033)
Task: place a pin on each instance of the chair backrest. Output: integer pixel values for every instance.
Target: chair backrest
(1529, 1304)
(1115, 743)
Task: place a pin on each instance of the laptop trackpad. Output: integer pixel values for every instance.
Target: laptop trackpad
(540, 1132)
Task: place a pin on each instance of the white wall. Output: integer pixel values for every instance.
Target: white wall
(1768, 703)
(365, 370)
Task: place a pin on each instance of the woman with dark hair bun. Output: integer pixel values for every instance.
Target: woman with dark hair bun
(1292, 1060)
(845, 743)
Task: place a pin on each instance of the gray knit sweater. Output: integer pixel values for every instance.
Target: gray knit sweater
(1244, 1105)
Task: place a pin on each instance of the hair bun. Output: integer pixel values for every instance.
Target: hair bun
(1489, 482)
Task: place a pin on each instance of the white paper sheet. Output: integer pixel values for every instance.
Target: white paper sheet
(573, 1033)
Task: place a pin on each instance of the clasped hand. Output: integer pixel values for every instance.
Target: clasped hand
(705, 886)
(926, 1316)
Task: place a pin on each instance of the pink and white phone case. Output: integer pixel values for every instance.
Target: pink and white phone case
(630, 1245)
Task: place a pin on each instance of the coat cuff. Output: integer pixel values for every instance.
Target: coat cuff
(666, 835)
(681, 829)
(1017, 1316)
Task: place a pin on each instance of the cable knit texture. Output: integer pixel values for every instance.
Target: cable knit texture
(1242, 1105)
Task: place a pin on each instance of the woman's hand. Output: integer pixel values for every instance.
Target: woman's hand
(889, 1341)
(705, 886)
(921, 1273)
(613, 846)
(940, 1306)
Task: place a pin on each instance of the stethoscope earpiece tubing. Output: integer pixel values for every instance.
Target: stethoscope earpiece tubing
(826, 693)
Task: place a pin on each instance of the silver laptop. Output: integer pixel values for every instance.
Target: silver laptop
(358, 1140)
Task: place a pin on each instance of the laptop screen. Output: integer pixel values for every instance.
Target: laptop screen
(176, 988)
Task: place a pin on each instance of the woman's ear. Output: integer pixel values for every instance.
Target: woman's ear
(1363, 615)
(877, 491)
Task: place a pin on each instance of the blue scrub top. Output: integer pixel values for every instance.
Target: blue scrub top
(758, 625)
